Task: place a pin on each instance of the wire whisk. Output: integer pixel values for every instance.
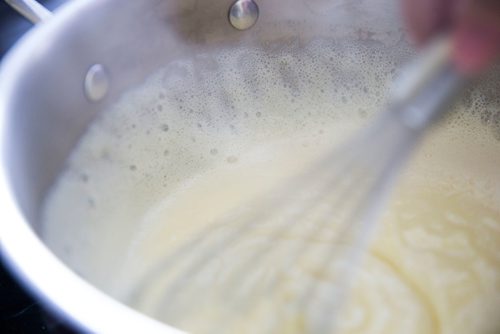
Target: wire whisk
(315, 227)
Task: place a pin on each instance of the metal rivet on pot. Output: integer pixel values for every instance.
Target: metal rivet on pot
(243, 14)
(96, 83)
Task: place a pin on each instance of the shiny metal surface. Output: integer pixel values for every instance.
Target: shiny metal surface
(36, 133)
(30, 9)
(96, 83)
(243, 14)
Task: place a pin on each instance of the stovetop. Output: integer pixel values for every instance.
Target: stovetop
(19, 311)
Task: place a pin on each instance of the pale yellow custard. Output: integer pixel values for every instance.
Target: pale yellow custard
(194, 142)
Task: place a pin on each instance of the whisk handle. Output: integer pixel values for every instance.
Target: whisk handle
(427, 86)
(433, 100)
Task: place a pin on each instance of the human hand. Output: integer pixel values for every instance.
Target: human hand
(474, 26)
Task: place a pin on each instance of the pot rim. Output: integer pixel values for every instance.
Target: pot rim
(36, 267)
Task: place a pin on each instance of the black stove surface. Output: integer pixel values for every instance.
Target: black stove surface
(19, 311)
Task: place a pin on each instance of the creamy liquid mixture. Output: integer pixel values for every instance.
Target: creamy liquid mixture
(198, 139)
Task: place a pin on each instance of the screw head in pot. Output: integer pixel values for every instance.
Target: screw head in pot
(243, 14)
(96, 83)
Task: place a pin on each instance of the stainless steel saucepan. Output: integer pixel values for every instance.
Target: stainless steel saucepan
(80, 60)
